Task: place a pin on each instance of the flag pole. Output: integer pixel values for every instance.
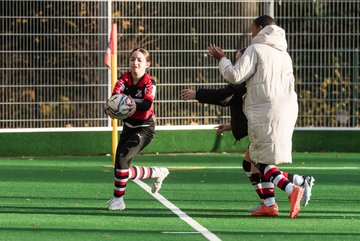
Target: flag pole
(111, 62)
(114, 75)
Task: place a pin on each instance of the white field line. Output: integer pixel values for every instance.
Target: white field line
(195, 225)
(239, 167)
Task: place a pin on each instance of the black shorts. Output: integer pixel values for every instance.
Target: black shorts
(132, 141)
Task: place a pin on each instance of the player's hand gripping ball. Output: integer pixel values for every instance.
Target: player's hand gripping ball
(118, 106)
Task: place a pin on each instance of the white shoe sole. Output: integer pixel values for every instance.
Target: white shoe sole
(117, 208)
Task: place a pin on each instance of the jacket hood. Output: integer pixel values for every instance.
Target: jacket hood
(273, 36)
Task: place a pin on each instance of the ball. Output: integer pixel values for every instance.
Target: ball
(118, 105)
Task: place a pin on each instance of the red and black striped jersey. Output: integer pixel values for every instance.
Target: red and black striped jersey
(143, 93)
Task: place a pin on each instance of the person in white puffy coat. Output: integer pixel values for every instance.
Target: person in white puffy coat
(270, 103)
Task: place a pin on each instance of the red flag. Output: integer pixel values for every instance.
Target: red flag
(112, 46)
(108, 58)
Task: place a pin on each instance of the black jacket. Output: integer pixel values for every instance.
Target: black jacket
(231, 96)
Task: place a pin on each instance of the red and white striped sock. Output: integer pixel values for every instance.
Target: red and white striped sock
(296, 179)
(137, 172)
(273, 174)
(121, 179)
(267, 190)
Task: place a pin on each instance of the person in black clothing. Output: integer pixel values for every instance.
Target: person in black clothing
(232, 95)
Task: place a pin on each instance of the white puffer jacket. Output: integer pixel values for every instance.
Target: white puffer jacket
(271, 102)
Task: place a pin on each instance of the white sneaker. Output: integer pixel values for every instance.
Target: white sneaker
(117, 203)
(158, 179)
(307, 186)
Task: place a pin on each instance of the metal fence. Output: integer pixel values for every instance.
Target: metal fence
(324, 39)
(52, 52)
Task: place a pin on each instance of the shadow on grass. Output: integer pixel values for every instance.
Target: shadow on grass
(123, 231)
(87, 211)
(81, 230)
(54, 198)
(164, 212)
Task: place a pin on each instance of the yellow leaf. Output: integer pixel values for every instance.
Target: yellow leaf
(337, 73)
(71, 23)
(29, 94)
(83, 10)
(64, 98)
(125, 24)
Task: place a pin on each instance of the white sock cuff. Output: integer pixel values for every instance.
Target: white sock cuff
(269, 201)
(289, 188)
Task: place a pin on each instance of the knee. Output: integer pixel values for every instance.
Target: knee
(261, 167)
(122, 162)
(247, 156)
(127, 151)
(246, 166)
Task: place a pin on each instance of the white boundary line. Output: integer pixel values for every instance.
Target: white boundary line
(195, 225)
(279, 166)
(239, 167)
(104, 129)
(160, 128)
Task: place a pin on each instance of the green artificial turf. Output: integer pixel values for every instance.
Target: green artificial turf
(65, 198)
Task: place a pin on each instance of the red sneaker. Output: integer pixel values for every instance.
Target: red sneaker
(295, 198)
(265, 211)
